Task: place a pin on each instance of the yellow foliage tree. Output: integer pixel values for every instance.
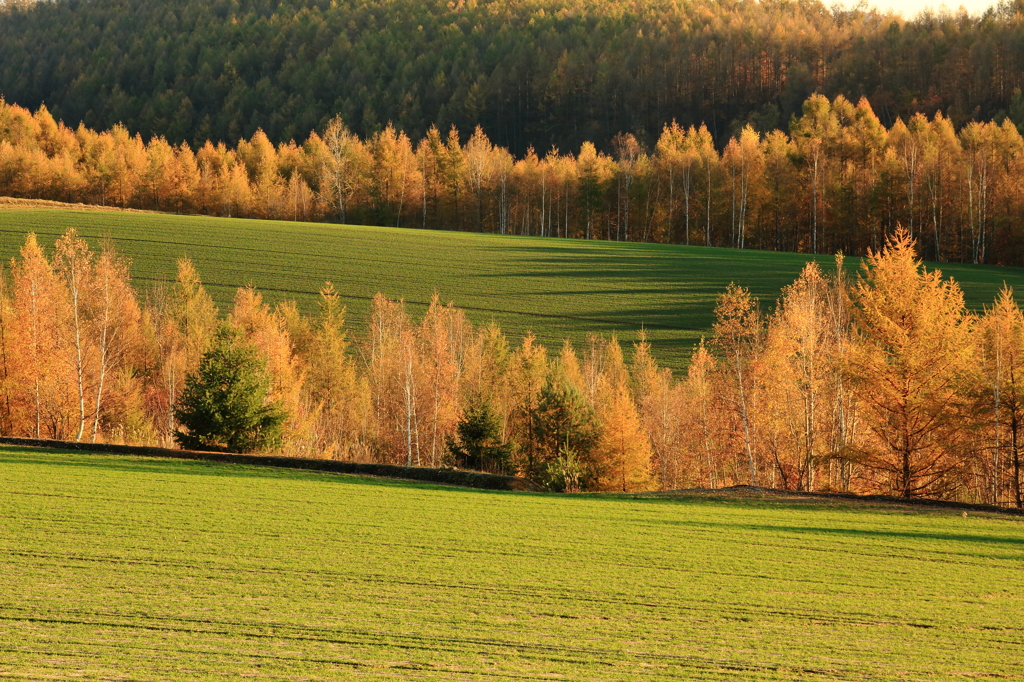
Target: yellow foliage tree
(910, 364)
(1002, 388)
(623, 457)
(339, 398)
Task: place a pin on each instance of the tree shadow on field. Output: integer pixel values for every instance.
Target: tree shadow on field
(1014, 542)
(131, 464)
(706, 269)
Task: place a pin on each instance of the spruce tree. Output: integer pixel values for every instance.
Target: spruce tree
(479, 444)
(225, 404)
(567, 431)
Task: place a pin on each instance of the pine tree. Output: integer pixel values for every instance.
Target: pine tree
(564, 424)
(225, 402)
(478, 443)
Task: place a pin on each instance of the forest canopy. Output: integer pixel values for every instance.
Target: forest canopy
(530, 72)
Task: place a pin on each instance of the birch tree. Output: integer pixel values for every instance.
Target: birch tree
(73, 260)
(738, 332)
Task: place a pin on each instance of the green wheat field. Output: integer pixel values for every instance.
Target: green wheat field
(121, 568)
(556, 288)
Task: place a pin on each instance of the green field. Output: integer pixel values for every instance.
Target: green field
(123, 568)
(555, 287)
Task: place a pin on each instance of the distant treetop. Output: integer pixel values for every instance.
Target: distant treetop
(530, 72)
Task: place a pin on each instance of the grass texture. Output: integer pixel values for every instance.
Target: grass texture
(123, 568)
(557, 288)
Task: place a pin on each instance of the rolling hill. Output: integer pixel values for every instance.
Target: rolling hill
(556, 288)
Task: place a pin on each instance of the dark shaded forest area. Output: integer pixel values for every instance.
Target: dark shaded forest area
(529, 72)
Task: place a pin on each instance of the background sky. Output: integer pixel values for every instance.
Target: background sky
(911, 7)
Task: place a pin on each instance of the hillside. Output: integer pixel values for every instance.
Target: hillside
(557, 288)
(187, 571)
(531, 73)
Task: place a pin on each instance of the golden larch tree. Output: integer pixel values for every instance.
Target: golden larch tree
(1001, 350)
(910, 364)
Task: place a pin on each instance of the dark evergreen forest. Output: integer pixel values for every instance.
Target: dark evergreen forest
(530, 72)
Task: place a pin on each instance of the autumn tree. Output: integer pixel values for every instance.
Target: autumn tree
(181, 326)
(442, 335)
(341, 160)
(910, 364)
(796, 376)
(1002, 374)
(623, 455)
(73, 260)
(393, 372)
(529, 370)
(338, 396)
(738, 332)
(702, 421)
(113, 324)
(812, 135)
(34, 342)
(267, 330)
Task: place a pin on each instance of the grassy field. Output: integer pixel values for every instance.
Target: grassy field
(122, 568)
(557, 288)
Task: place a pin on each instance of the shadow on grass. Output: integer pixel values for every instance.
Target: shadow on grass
(134, 464)
(899, 535)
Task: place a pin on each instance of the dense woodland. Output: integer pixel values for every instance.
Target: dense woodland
(840, 181)
(530, 72)
(879, 382)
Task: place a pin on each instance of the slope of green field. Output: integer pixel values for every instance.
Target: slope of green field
(557, 288)
(122, 568)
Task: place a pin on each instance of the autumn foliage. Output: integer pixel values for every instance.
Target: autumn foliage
(882, 382)
(838, 181)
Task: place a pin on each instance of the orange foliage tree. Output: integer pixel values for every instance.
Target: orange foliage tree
(887, 385)
(911, 365)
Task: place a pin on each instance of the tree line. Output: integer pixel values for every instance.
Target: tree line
(879, 382)
(840, 181)
(531, 72)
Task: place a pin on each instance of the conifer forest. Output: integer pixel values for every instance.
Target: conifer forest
(763, 125)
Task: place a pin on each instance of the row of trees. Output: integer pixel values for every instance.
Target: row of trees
(882, 384)
(531, 72)
(839, 181)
